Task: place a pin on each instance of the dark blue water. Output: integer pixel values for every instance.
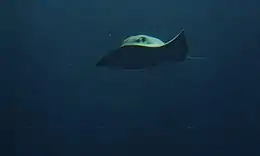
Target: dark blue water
(55, 102)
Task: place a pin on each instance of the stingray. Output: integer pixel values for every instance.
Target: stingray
(143, 51)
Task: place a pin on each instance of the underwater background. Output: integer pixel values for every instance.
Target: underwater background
(56, 102)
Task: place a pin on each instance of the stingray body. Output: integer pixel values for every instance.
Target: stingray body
(142, 51)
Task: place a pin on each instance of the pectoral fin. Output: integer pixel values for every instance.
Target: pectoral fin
(176, 49)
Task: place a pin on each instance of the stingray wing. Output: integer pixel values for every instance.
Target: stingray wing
(176, 49)
(130, 57)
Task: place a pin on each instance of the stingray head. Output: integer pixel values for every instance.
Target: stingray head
(142, 40)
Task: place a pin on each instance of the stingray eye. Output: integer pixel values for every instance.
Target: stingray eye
(141, 40)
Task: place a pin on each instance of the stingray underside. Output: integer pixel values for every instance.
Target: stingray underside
(131, 57)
